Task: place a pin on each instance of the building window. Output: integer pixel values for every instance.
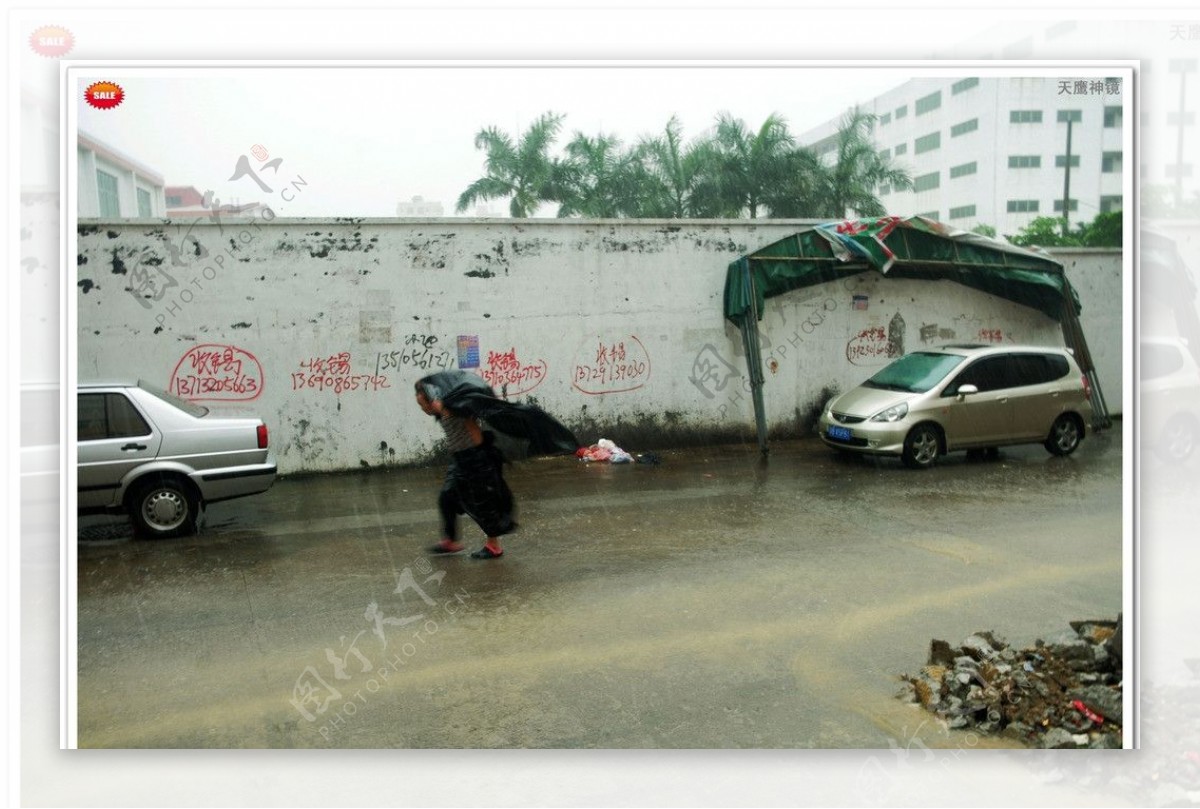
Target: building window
(963, 170)
(884, 190)
(962, 212)
(960, 86)
(929, 215)
(901, 148)
(1073, 204)
(174, 202)
(1025, 117)
(1111, 163)
(1113, 117)
(1024, 161)
(964, 127)
(927, 182)
(1110, 204)
(927, 143)
(885, 119)
(145, 209)
(1073, 116)
(901, 111)
(885, 154)
(929, 103)
(1060, 161)
(110, 200)
(1022, 206)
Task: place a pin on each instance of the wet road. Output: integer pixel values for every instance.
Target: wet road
(711, 601)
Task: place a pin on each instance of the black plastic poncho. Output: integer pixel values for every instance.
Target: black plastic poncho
(466, 394)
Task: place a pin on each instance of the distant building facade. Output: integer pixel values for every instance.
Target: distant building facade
(419, 207)
(993, 151)
(187, 201)
(115, 186)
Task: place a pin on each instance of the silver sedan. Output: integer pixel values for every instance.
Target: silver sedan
(162, 459)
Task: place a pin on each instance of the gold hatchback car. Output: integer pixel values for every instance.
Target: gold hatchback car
(963, 397)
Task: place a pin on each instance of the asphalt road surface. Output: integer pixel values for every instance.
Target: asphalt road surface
(711, 601)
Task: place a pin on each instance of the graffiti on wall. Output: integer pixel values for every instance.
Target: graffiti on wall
(871, 347)
(335, 374)
(420, 352)
(504, 370)
(212, 372)
(932, 331)
(877, 345)
(617, 366)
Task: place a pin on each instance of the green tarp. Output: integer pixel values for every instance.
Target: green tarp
(911, 247)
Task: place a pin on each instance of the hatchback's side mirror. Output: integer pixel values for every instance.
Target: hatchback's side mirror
(966, 390)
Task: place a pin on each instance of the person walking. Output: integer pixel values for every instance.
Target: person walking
(474, 483)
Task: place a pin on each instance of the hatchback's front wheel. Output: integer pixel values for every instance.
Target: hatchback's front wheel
(921, 447)
(1065, 435)
(163, 507)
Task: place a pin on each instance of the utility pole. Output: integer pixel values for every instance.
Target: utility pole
(1066, 217)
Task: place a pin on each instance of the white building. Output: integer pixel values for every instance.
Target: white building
(993, 151)
(113, 185)
(419, 207)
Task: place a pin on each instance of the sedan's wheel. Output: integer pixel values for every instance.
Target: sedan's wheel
(921, 447)
(164, 507)
(1065, 435)
(1178, 439)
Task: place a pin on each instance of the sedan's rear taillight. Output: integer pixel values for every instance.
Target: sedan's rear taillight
(1087, 387)
(262, 436)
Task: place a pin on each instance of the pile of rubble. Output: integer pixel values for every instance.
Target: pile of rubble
(1062, 693)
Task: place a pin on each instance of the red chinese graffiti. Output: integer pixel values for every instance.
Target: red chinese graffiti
(334, 374)
(505, 371)
(210, 372)
(613, 367)
(991, 336)
(871, 347)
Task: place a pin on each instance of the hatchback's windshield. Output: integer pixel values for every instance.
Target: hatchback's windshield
(915, 373)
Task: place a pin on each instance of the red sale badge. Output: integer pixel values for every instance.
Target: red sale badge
(52, 41)
(104, 95)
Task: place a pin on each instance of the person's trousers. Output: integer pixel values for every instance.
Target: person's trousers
(475, 486)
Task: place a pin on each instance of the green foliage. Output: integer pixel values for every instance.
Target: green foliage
(523, 171)
(731, 171)
(1046, 231)
(984, 230)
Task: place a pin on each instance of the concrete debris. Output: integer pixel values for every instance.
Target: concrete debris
(1061, 693)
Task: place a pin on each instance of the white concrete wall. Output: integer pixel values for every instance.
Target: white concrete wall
(616, 327)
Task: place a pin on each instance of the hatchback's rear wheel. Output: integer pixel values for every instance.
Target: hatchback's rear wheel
(921, 447)
(1065, 435)
(164, 507)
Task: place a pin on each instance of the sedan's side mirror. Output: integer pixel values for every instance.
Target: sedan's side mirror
(965, 390)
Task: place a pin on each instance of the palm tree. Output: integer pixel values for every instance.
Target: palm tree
(678, 180)
(599, 178)
(524, 171)
(752, 166)
(859, 170)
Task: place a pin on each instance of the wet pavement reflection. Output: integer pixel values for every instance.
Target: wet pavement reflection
(716, 600)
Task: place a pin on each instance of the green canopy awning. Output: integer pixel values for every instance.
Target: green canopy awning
(911, 247)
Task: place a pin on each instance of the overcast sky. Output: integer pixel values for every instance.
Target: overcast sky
(363, 139)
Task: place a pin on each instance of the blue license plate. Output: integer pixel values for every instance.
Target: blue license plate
(838, 433)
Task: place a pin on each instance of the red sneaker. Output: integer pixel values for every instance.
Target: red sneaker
(446, 546)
